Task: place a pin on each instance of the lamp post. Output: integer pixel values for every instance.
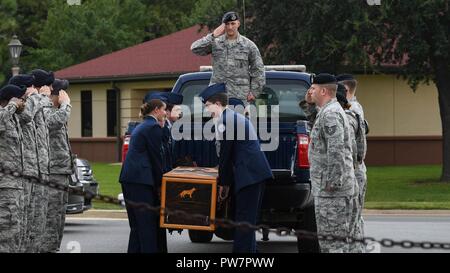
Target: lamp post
(15, 48)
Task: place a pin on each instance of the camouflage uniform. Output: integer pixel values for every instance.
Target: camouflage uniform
(40, 192)
(11, 188)
(360, 169)
(332, 175)
(357, 136)
(238, 64)
(61, 167)
(30, 169)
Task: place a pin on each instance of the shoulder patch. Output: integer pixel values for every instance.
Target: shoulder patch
(330, 130)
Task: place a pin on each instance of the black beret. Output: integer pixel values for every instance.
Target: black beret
(323, 78)
(59, 85)
(12, 91)
(344, 77)
(341, 93)
(42, 77)
(230, 16)
(22, 80)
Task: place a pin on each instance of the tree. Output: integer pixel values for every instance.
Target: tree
(7, 10)
(416, 35)
(338, 36)
(73, 34)
(167, 16)
(209, 12)
(324, 35)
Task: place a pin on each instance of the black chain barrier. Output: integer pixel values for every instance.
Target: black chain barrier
(226, 223)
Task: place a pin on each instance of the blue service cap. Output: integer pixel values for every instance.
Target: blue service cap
(42, 77)
(235, 102)
(12, 91)
(174, 98)
(155, 96)
(211, 91)
(323, 78)
(22, 80)
(344, 77)
(59, 85)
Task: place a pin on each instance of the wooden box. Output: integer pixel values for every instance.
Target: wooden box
(193, 190)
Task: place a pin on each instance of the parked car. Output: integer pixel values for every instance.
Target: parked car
(287, 201)
(83, 180)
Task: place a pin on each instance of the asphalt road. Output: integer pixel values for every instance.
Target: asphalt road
(95, 235)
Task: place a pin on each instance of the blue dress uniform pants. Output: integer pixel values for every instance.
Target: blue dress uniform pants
(143, 223)
(247, 207)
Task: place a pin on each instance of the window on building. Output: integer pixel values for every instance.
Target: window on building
(111, 112)
(86, 113)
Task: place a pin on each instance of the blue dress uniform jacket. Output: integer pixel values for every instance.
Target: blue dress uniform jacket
(240, 160)
(167, 143)
(140, 177)
(143, 164)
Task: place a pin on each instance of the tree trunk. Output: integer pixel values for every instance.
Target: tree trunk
(443, 86)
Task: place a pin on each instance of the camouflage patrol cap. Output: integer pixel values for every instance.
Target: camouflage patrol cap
(230, 16)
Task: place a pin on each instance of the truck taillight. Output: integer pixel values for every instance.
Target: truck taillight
(126, 142)
(302, 151)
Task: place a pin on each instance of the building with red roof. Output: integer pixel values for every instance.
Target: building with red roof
(106, 93)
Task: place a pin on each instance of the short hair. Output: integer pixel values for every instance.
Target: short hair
(331, 88)
(150, 106)
(351, 84)
(169, 106)
(219, 97)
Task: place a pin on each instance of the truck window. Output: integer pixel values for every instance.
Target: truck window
(283, 92)
(287, 94)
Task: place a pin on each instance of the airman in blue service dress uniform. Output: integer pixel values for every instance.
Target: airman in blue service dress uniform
(242, 165)
(141, 176)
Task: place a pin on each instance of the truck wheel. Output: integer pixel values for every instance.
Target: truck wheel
(200, 236)
(308, 224)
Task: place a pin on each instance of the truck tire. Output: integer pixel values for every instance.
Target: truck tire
(308, 224)
(200, 236)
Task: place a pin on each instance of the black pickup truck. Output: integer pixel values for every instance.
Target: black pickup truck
(287, 199)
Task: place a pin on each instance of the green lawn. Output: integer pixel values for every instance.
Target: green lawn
(409, 187)
(107, 176)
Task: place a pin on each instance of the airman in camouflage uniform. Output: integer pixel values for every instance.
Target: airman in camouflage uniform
(236, 60)
(11, 187)
(331, 165)
(30, 161)
(359, 147)
(360, 171)
(61, 163)
(43, 82)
